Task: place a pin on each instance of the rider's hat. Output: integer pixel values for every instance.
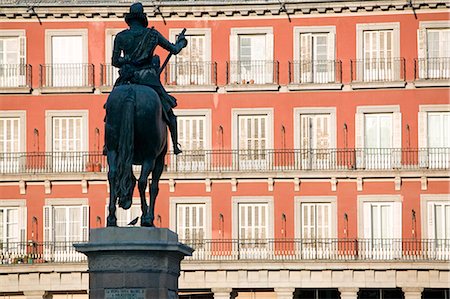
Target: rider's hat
(136, 13)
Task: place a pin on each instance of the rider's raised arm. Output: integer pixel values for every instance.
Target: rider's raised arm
(172, 48)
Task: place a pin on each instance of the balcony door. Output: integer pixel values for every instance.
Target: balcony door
(12, 231)
(378, 63)
(10, 132)
(67, 68)
(315, 141)
(12, 61)
(316, 230)
(438, 60)
(191, 223)
(190, 67)
(253, 230)
(252, 65)
(192, 138)
(439, 228)
(438, 140)
(316, 64)
(378, 135)
(67, 144)
(253, 140)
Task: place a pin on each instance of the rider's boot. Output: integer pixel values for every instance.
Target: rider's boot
(173, 127)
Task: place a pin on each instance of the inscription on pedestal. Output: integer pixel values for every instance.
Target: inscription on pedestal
(124, 294)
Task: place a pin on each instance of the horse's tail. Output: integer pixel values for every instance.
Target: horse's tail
(125, 179)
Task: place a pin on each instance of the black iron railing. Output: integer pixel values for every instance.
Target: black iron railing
(247, 72)
(108, 75)
(190, 73)
(282, 249)
(15, 75)
(315, 71)
(200, 161)
(69, 75)
(378, 70)
(436, 68)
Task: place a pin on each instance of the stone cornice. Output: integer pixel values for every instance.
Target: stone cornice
(109, 9)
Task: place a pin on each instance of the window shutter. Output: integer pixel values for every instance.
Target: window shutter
(422, 52)
(331, 65)
(306, 57)
(85, 222)
(48, 223)
(234, 52)
(22, 221)
(431, 231)
(368, 220)
(269, 64)
(22, 50)
(397, 220)
(423, 139)
(397, 139)
(359, 139)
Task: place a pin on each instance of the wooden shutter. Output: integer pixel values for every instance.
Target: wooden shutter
(359, 140)
(22, 223)
(422, 52)
(397, 218)
(48, 223)
(397, 139)
(305, 133)
(84, 223)
(331, 44)
(308, 221)
(306, 57)
(423, 139)
(367, 220)
(431, 225)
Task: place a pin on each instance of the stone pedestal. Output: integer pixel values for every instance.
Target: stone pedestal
(133, 262)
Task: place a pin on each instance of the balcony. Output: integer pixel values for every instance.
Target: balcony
(432, 72)
(108, 76)
(191, 76)
(15, 78)
(315, 74)
(378, 73)
(68, 77)
(281, 250)
(220, 162)
(252, 75)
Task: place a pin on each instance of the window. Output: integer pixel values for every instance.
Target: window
(13, 220)
(190, 217)
(380, 225)
(110, 73)
(192, 66)
(378, 52)
(12, 140)
(378, 137)
(68, 139)
(434, 144)
(66, 221)
(194, 130)
(434, 53)
(314, 55)
(435, 209)
(251, 55)
(253, 225)
(126, 216)
(66, 58)
(253, 133)
(12, 58)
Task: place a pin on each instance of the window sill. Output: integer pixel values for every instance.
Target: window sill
(252, 87)
(82, 89)
(190, 88)
(6, 90)
(315, 86)
(105, 89)
(375, 85)
(432, 83)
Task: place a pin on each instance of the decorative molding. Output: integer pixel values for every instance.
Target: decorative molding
(296, 184)
(334, 184)
(22, 187)
(234, 183)
(423, 183)
(270, 183)
(208, 185)
(171, 185)
(84, 186)
(398, 183)
(359, 184)
(47, 187)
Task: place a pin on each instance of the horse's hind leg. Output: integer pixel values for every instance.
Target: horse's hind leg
(112, 162)
(154, 186)
(142, 185)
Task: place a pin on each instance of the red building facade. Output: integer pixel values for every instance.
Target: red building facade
(315, 144)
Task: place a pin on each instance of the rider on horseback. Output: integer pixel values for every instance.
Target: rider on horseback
(138, 65)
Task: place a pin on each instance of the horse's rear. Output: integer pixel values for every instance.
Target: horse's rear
(135, 134)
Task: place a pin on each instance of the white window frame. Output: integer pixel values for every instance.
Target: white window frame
(110, 73)
(174, 201)
(173, 32)
(17, 162)
(360, 29)
(395, 160)
(18, 80)
(424, 154)
(21, 205)
(236, 112)
(394, 249)
(422, 48)
(67, 253)
(331, 45)
(298, 112)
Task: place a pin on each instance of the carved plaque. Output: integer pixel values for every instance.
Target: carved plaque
(124, 294)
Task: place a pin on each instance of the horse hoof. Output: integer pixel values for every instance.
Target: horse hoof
(147, 222)
(111, 222)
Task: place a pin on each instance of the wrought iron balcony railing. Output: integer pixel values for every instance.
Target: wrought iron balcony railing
(330, 249)
(200, 161)
(252, 72)
(67, 75)
(436, 68)
(315, 71)
(378, 70)
(108, 75)
(190, 73)
(15, 76)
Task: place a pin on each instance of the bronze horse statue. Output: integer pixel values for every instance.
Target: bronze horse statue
(135, 134)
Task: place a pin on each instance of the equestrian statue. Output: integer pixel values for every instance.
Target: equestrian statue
(138, 110)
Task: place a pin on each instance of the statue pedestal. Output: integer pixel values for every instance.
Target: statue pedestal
(133, 262)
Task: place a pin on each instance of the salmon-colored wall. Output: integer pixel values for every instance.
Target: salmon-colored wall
(221, 105)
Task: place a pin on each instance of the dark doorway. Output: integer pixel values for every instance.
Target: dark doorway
(317, 294)
(380, 294)
(436, 294)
